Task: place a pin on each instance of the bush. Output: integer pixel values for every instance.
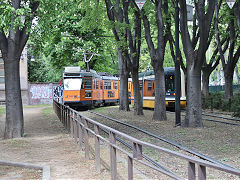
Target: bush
(216, 100)
(237, 112)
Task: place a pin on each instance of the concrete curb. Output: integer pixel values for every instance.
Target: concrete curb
(45, 169)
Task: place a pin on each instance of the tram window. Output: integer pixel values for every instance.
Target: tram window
(88, 93)
(111, 94)
(97, 84)
(169, 83)
(88, 83)
(101, 84)
(94, 82)
(115, 85)
(109, 84)
(72, 84)
(140, 85)
(105, 84)
(149, 86)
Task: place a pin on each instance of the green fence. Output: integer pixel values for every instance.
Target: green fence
(221, 88)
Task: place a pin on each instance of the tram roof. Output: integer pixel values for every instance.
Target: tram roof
(110, 78)
(81, 73)
(167, 71)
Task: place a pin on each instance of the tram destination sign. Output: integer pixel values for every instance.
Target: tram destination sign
(140, 3)
(231, 3)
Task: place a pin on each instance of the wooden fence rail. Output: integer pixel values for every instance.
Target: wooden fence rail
(78, 125)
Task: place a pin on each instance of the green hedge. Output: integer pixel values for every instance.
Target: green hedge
(216, 101)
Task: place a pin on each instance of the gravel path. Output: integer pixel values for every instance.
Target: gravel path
(47, 143)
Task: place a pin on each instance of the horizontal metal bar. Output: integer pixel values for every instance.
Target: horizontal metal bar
(179, 155)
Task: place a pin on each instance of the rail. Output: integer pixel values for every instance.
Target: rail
(78, 125)
(200, 155)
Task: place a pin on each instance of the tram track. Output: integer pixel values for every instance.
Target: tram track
(155, 163)
(179, 146)
(227, 119)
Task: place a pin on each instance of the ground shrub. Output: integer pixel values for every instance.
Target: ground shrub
(216, 100)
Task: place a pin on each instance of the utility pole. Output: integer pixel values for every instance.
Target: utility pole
(177, 69)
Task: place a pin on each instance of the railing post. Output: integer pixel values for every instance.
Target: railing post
(65, 117)
(201, 172)
(113, 156)
(75, 127)
(137, 151)
(130, 168)
(69, 119)
(80, 134)
(86, 139)
(191, 171)
(97, 148)
(71, 123)
(61, 113)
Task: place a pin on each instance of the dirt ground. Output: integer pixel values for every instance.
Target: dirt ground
(218, 141)
(47, 143)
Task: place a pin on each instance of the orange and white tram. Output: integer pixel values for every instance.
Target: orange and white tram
(83, 88)
(147, 87)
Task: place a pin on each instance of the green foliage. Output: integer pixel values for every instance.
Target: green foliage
(68, 29)
(41, 70)
(216, 100)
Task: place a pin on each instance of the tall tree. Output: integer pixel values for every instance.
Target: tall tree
(129, 40)
(115, 13)
(209, 67)
(195, 55)
(237, 13)
(157, 55)
(16, 17)
(228, 64)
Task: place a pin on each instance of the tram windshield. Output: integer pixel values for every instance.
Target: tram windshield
(72, 84)
(169, 83)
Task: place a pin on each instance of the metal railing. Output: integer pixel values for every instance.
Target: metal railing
(78, 125)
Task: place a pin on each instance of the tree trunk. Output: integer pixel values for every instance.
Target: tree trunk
(124, 74)
(14, 126)
(237, 13)
(205, 81)
(160, 106)
(228, 76)
(194, 106)
(138, 106)
(238, 77)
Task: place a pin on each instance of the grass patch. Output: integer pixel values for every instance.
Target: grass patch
(103, 109)
(16, 143)
(35, 106)
(47, 111)
(2, 110)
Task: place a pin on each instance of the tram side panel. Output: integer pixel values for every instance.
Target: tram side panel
(97, 92)
(110, 91)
